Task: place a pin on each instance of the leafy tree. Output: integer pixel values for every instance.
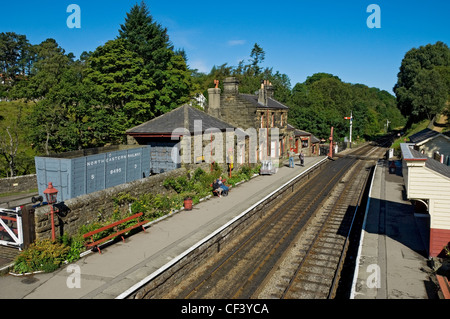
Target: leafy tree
(167, 69)
(122, 82)
(249, 77)
(323, 100)
(15, 156)
(51, 62)
(148, 39)
(430, 94)
(422, 86)
(258, 55)
(16, 58)
(319, 76)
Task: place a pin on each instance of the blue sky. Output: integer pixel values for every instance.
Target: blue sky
(299, 37)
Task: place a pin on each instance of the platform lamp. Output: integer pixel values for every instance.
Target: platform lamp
(50, 194)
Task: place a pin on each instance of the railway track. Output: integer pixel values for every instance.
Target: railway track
(297, 249)
(311, 268)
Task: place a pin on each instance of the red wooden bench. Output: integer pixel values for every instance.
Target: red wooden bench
(94, 244)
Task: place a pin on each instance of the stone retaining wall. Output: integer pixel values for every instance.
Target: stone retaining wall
(91, 207)
(18, 183)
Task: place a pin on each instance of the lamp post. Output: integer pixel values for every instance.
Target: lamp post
(50, 194)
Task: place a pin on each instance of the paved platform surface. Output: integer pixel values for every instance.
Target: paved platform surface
(122, 265)
(393, 248)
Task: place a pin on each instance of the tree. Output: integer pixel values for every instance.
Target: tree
(148, 39)
(47, 115)
(16, 58)
(258, 55)
(123, 84)
(51, 62)
(166, 69)
(422, 88)
(319, 76)
(429, 93)
(323, 100)
(9, 145)
(15, 156)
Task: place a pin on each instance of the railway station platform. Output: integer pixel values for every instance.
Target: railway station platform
(392, 261)
(123, 264)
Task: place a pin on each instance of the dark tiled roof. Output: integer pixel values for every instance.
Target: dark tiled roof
(438, 167)
(423, 135)
(272, 104)
(298, 132)
(314, 139)
(170, 121)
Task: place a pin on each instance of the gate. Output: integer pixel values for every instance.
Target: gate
(11, 233)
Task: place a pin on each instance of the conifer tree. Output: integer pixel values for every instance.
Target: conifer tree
(150, 41)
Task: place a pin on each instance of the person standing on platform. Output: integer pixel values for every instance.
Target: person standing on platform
(302, 158)
(291, 158)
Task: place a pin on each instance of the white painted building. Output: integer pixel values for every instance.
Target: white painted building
(428, 181)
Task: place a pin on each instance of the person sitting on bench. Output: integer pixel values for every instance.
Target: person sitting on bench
(217, 188)
(224, 188)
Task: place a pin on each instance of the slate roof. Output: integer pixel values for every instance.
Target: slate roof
(298, 132)
(438, 167)
(167, 123)
(410, 154)
(423, 135)
(271, 103)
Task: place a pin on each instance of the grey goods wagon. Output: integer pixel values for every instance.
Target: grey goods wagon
(161, 157)
(82, 172)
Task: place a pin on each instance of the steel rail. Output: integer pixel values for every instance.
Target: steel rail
(342, 196)
(301, 220)
(279, 211)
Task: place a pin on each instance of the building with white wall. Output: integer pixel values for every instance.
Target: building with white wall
(428, 181)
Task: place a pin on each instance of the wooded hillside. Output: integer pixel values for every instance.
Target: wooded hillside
(68, 103)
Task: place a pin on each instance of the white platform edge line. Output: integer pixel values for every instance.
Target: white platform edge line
(355, 275)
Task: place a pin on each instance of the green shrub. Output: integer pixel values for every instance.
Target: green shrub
(170, 183)
(43, 255)
(123, 198)
(76, 245)
(179, 185)
(198, 174)
(84, 229)
(246, 171)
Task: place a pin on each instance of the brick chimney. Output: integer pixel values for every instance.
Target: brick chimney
(265, 92)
